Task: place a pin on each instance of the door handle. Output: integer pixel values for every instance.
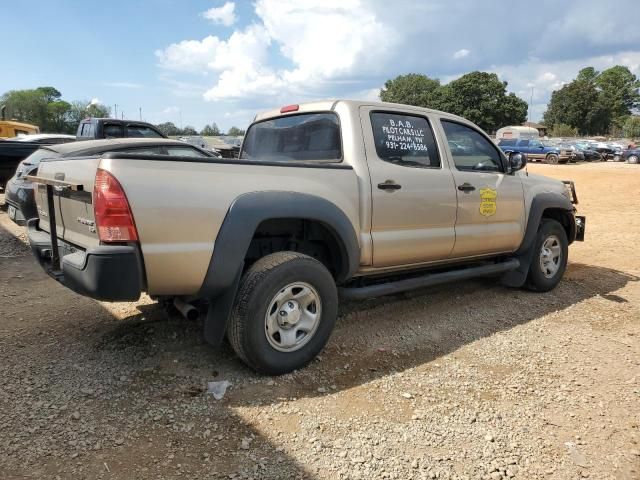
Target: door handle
(389, 185)
(466, 187)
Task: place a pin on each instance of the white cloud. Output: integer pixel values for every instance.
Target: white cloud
(95, 101)
(297, 50)
(301, 32)
(122, 84)
(170, 110)
(224, 15)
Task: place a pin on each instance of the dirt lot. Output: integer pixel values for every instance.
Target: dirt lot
(464, 381)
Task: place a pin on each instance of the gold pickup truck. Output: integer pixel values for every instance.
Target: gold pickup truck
(328, 199)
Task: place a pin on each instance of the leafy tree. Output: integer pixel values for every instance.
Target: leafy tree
(595, 102)
(189, 130)
(235, 132)
(479, 96)
(210, 130)
(482, 98)
(81, 109)
(619, 89)
(43, 106)
(563, 130)
(169, 129)
(413, 89)
(631, 128)
(579, 104)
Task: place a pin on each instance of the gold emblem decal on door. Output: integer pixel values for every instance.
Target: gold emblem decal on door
(488, 205)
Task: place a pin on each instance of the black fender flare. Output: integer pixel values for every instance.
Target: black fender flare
(540, 203)
(240, 223)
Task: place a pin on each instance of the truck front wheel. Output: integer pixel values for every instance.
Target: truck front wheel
(550, 255)
(284, 312)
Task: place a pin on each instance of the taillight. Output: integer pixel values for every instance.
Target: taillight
(111, 209)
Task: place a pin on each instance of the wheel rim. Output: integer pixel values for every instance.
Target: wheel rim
(550, 256)
(293, 317)
(552, 159)
(633, 159)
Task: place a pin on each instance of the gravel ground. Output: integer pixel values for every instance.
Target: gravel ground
(464, 381)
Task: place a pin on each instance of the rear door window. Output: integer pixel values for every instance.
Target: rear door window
(295, 138)
(405, 140)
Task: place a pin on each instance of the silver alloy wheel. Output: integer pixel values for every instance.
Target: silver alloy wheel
(550, 256)
(293, 317)
(632, 159)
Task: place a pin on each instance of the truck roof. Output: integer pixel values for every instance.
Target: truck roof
(329, 105)
(95, 146)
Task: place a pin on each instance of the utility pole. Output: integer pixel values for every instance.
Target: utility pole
(122, 113)
(180, 110)
(140, 108)
(115, 110)
(531, 105)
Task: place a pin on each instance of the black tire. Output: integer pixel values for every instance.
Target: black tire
(552, 158)
(632, 159)
(537, 280)
(259, 286)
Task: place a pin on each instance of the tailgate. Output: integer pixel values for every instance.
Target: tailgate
(75, 222)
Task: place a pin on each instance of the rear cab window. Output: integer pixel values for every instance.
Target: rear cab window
(405, 140)
(113, 130)
(507, 142)
(142, 131)
(301, 137)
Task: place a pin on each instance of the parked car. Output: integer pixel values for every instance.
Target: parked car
(199, 141)
(14, 150)
(535, 150)
(577, 155)
(328, 198)
(19, 194)
(99, 128)
(631, 155)
(590, 154)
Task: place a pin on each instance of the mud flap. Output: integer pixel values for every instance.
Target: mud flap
(517, 278)
(215, 323)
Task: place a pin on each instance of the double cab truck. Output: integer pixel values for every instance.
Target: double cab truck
(536, 150)
(328, 200)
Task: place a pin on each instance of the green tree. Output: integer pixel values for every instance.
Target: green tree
(57, 113)
(413, 89)
(563, 130)
(235, 132)
(81, 109)
(619, 89)
(188, 130)
(210, 130)
(482, 98)
(580, 105)
(169, 129)
(631, 128)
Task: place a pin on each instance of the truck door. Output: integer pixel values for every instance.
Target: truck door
(413, 196)
(491, 213)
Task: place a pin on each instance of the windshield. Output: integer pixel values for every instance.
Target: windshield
(308, 136)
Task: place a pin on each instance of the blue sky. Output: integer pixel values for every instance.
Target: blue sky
(221, 61)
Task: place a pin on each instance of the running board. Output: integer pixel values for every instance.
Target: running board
(428, 280)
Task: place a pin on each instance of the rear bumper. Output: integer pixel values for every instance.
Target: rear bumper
(111, 273)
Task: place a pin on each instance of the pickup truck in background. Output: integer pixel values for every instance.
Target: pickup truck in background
(328, 199)
(535, 150)
(99, 128)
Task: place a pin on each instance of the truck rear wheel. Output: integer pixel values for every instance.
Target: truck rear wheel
(550, 255)
(284, 312)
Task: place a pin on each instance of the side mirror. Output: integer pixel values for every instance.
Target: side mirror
(517, 161)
